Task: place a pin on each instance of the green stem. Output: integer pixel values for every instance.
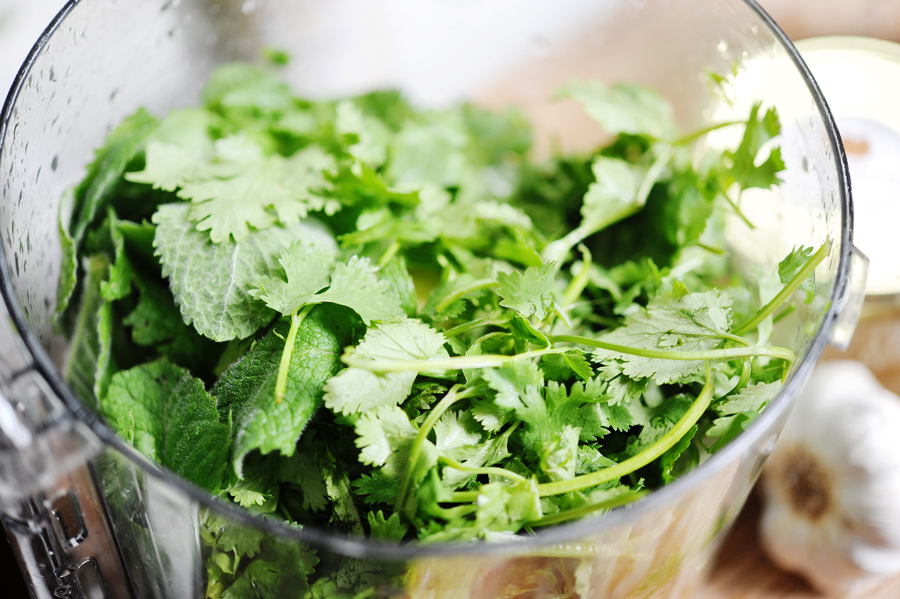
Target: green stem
(472, 325)
(389, 253)
(787, 291)
(729, 353)
(584, 510)
(738, 211)
(746, 370)
(454, 363)
(442, 406)
(462, 291)
(484, 470)
(664, 444)
(681, 141)
(464, 496)
(578, 283)
(285, 365)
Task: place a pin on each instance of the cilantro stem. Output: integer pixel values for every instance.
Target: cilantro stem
(787, 291)
(484, 470)
(285, 365)
(442, 406)
(389, 253)
(579, 282)
(738, 211)
(464, 496)
(728, 353)
(681, 141)
(455, 363)
(462, 291)
(471, 325)
(578, 512)
(664, 444)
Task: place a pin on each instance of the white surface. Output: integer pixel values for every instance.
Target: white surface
(21, 24)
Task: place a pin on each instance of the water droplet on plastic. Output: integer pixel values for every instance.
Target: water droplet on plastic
(722, 47)
(249, 6)
(754, 28)
(54, 163)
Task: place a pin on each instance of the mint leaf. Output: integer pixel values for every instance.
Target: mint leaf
(89, 363)
(625, 108)
(247, 389)
(358, 390)
(104, 174)
(212, 282)
(529, 293)
(168, 416)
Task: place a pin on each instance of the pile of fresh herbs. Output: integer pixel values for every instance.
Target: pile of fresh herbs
(392, 323)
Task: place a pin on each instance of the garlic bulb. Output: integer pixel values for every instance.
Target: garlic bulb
(832, 485)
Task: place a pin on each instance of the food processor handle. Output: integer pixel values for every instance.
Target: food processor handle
(49, 501)
(849, 300)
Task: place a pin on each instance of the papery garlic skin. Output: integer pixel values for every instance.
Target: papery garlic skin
(831, 487)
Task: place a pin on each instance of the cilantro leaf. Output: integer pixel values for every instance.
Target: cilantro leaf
(358, 390)
(391, 529)
(377, 488)
(743, 169)
(385, 438)
(353, 284)
(694, 322)
(246, 390)
(791, 265)
(625, 108)
(168, 416)
(282, 569)
(529, 293)
(306, 270)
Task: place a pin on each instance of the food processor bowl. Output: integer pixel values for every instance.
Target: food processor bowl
(90, 517)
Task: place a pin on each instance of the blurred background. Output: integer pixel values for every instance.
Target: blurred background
(742, 570)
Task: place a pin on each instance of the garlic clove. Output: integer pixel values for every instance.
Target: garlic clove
(831, 487)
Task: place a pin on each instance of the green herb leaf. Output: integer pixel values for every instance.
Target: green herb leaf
(791, 265)
(529, 293)
(212, 282)
(168, 416)
(625, 108)
(247, 388)
(357, 390)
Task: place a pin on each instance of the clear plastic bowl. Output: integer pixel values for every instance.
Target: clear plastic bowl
(90, 517)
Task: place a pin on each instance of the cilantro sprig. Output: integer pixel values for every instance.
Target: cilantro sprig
(395, 323)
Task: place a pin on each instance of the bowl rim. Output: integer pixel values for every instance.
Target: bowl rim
(363, 548)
